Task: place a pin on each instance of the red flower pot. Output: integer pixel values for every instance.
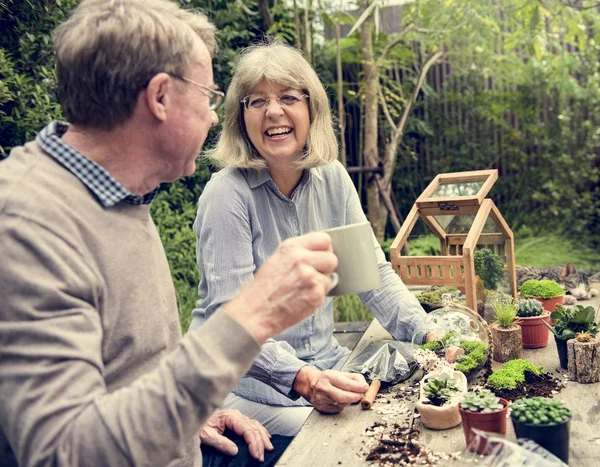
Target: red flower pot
(550, 303)
(534, 331)
(494, 422)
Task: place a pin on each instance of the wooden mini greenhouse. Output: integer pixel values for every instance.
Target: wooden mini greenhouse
(455, 209)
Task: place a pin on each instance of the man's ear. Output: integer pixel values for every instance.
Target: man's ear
(158, 96)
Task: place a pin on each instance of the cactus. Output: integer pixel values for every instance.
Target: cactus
(530, 307)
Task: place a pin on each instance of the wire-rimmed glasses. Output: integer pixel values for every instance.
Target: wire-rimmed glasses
(215, 98)
(255, 103)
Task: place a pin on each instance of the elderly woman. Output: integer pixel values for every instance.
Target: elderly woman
(282, 179)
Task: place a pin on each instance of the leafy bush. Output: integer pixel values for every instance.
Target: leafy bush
(568, 322)
(489, 267)
(544, 288)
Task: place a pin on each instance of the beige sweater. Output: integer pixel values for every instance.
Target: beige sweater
(93, 369)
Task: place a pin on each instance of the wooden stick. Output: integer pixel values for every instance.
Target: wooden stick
(367, 401)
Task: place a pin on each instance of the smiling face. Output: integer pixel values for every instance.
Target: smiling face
(278, 131)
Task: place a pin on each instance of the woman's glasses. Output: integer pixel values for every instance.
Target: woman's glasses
(262, 102)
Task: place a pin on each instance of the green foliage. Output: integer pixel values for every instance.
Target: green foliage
(512, 374)
(489, 267)
(474, 357)
(434, 346)
(543, 288)
(350, 308)
(506, 312)
(568, 322)
(550, 250)
(539, 411)
(529, 308)
(440, 390)
(431, 298)
(482, 400)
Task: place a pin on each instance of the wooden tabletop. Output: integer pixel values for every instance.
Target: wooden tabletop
(342, 439)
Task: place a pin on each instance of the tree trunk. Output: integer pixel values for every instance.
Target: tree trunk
(508, 343)
(377, 213)
(308, 31)
(584, 361)
(297, 27)
(340, 86)
(265, 13)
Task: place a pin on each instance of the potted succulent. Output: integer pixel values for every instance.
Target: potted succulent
(583, 355)
(506, 333)
(483, 410)
(531, 314)
(440, 394)
(545, 421)
(548, 292)
(567, 322)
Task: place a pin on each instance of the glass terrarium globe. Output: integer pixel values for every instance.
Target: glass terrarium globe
(461, 335)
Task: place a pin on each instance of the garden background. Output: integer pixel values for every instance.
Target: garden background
(418, 88)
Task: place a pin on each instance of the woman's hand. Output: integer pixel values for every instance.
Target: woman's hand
(256, 436)
(330, 391)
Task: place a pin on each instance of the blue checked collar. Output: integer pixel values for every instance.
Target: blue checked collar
(102, 184)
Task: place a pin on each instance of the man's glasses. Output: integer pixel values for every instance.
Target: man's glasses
(262, 102)
(215, 98)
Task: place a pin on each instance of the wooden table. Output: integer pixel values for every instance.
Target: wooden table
(332, 440)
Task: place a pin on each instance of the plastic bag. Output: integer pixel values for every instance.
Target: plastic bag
(388, 361)
(501, 452)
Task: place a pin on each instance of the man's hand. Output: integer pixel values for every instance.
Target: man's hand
(330, 391)
(256, 436)
(289, 286)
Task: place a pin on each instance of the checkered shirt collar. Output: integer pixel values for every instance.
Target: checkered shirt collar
(102, 184)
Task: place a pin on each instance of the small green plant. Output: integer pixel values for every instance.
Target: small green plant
(475, 355)
(512, 374)
(482, 400)
(529, 307)
(431, 298)
(570, 321)
(506, 312)
(489, 267)
(440, 390)
(541, 288)
(540, 411)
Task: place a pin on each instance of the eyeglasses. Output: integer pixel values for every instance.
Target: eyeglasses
(215, 98)
(261, 103)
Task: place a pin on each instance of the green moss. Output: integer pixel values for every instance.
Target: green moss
(434, 346)
(474, 356)
(512, 374)
(541, 288)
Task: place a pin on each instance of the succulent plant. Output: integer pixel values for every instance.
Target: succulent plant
(529, 308)
(506, 312)
(483, 400)
(440, 390)
(584, 337)
(540, 411)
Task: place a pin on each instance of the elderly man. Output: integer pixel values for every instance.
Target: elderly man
(93, 369)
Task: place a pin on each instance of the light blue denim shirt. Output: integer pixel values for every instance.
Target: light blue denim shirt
(242, 218)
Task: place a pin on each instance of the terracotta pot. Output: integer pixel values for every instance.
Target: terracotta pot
(550, 303)
(446, 416)
(439, 418)
(534, 331)
(494, 422)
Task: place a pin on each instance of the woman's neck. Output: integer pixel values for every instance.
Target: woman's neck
(286, 179)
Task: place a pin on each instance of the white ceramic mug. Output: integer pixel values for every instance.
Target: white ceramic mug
(357, 269)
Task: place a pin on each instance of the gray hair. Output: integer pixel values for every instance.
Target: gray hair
(282, 64)
(108, 51)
